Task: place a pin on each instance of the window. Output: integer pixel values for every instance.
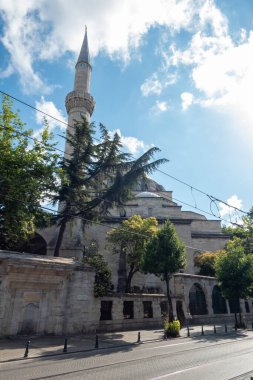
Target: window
(147, 309)
(106, 310)
(219, 303)
(164, 307)
(197, 299)
(128, 310)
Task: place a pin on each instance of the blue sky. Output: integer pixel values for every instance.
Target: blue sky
(174, 74)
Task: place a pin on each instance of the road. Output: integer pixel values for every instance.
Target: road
(225, 357)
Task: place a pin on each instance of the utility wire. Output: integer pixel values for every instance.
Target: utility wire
(199, 209)
(34, 108)
(211, 197)
(98, 223)
(32, 138)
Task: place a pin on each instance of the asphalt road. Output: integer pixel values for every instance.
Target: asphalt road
(225, 357)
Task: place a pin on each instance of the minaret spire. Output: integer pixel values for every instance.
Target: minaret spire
(79, 103)
(84, 55)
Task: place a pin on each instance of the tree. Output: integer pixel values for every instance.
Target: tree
(248, 223)
(234, 271)
(164, 256)
(27, 177)
(130, 239)
(244, 232)
(103, 275)
(206, 262)
(96, 176)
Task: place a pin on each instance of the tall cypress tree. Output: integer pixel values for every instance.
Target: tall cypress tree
(97, 176)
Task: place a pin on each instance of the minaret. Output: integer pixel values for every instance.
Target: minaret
(79, 102)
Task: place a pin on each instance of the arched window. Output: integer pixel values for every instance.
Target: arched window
(197, 299)
(218, 302)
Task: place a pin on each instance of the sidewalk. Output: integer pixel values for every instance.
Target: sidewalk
(14, 348)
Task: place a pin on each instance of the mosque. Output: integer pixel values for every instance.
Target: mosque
(42, 294)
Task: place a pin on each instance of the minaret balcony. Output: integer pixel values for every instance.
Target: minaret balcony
(77, 100)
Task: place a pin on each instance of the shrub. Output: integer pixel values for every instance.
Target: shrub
(172, 329)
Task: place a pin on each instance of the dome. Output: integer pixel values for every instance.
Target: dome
(147, 194)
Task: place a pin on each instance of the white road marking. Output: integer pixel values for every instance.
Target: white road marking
(198, 366)
(171, 345)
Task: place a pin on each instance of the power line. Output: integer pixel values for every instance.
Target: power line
(34, 108)
(32, 138)
(199, 209)
(211, 197)
(38, 110)
(99, 223)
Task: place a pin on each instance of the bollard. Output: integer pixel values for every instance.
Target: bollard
(214, 329)
(27, 349)
(188, 331)
(96, 342)
(65, 348)
(139, 337)
(236, 327)
(202, 330)
(226, 328)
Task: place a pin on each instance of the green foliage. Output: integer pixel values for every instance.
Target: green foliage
(235, 231)
(102, 284)
(206, 262)
(234, 271)
(131, 237)
(244, 232)
(164, 256)
(248, 223)
(97, 176)
(172, 328)
(27, 177)
(165, 253)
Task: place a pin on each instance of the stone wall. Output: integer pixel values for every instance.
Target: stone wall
(183, 283)
(45, 295)
(139, 320)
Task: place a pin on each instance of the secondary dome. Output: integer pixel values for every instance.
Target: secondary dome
(147, 194)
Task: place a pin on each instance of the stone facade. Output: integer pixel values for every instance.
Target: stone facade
(198, 233)
(45, 295)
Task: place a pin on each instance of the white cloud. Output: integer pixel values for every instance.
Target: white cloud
(220, 67)
(131, 144)
(230, 213)
(187, 100)
(154, 86)
(49, 108)
(7, 72)
(160, 106)
(151, 86)
(45, 30)
(226, 81)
